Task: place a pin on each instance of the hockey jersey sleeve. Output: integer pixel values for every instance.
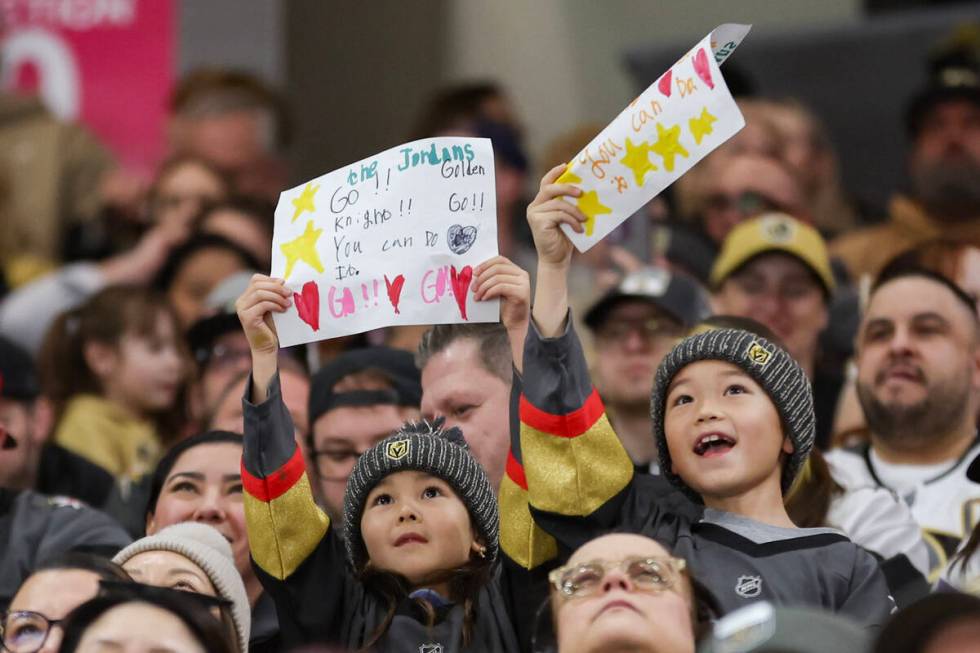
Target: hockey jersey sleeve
(298, 557)
(577, 471)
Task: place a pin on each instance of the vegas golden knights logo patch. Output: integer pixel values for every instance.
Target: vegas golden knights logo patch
(778, 230)
(758, 354)
(397, 450)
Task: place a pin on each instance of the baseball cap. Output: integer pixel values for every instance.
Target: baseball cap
(954, 74)
(675, 293)
(396, 365)
(762, 627)
(773, 232)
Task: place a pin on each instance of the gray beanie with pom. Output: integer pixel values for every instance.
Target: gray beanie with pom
(425, 447)
(770, 366)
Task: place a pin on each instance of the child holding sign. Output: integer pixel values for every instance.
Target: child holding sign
(421, 518)
(733, 420)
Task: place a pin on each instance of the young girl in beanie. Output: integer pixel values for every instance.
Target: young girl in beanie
(733, 422)
(415, 570)
(115, 369)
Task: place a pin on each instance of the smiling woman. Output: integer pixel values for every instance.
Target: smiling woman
(199, 480)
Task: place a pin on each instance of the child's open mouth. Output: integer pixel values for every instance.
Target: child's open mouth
(713, 444)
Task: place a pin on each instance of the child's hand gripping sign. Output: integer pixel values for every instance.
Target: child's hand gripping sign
(672, 125)
(390, 240)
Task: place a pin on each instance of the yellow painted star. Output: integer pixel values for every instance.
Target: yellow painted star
(568, 177)
(701, 126)
(667, 145)
(637, 159)
(305, 201)
(589, 204)
(303, 249)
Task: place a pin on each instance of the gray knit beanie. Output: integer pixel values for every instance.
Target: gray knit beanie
(208, 549)
(770, 366)
(426, 447)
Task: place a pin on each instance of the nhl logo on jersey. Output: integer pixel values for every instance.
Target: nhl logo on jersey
(748, 586)
(430, 648)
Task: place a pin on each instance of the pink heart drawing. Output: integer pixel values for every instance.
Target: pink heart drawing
(461, 287)
(308, 304)
(700, 61)
(664, 83)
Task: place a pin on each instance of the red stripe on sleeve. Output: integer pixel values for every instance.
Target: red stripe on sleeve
(278, 482)
(515, 471)
(566, 426)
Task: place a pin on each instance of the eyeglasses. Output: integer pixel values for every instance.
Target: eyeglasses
(647, 574)
(616, 332)
(25, 631)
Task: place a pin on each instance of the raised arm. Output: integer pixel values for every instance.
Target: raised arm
(521, 540)
(285, 526)
(574, 464)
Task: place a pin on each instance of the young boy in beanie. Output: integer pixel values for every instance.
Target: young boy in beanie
(416, 570)
(733, 421)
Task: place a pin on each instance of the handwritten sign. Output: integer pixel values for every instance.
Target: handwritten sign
(389, 240)
(672, 125)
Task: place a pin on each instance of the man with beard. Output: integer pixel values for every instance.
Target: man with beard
(918, 381)
(943, 125)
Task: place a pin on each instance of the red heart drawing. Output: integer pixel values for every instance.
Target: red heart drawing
(395, 291)
(461, 286)
(700, 61)
(308, 304)
(664, 83)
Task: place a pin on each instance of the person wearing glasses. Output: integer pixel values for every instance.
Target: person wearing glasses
(356, 400)
(623, 592)
(33, 622)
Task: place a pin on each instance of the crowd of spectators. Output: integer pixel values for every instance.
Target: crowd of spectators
(747, 420)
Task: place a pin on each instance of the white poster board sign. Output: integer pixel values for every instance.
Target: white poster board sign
(389, 240)
(671, 126)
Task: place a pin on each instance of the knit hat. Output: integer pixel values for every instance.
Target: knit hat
(207, 548)
(770, 366)
(427, 447)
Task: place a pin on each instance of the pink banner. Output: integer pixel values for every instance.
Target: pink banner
(107, 63)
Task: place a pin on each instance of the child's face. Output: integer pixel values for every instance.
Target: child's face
(416, 526)
(144, 373)
(723, 431)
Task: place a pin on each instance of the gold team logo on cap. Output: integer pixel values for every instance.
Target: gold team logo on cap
(778, 229)
(758, 354)
(397, 450)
